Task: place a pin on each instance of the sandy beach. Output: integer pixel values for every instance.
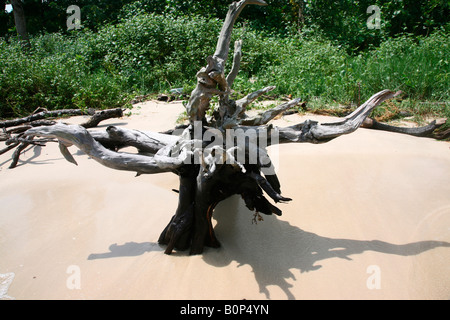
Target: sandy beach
(369, 219)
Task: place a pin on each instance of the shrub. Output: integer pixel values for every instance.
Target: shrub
(419, 66)
(55, 74)
(155, 51)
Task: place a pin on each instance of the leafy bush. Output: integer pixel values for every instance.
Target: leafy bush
(419, 67)
(314, 67)
(155, 51)
(305, 68)
(54, 75)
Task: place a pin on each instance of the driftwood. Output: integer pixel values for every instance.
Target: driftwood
(214, 156)
(95, 119)
(425, 131)
(15, 138)
(99, 116)
(443, 134)
(43, 115)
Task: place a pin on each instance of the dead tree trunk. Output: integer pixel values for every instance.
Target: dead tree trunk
(215, 157)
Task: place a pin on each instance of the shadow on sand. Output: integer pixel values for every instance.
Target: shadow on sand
(271, 240)
(129, 249)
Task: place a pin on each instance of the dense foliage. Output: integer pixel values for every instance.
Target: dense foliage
(312, 49)
(344, 21)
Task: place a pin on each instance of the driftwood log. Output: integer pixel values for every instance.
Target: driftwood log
(220, 153)
(430, 130)
(14, 136)
(35, 118)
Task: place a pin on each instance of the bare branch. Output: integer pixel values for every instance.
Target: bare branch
(315, 132)
(10, 147)
(250, 98)
(268, 115)
(223, 43)
(425, 131)
(236, 63)
(42, 115)
(80, 137)
(18, 151)
(33, 119)
(102, 115)
(116, 138)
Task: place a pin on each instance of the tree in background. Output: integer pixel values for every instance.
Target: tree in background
(20, 21)
(343, 21)
(4, 17)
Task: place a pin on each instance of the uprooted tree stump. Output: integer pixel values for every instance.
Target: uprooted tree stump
(215, 156)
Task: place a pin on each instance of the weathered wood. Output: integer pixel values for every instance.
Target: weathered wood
(80, 137)
(223, 43)
(177, 234)
(9, 147)
(243, 103)
(19, 126)
(442, 134)
(96, 117)
(116, 138)
(264, 117)
(42, 115)
(204, 185)
(211, 79)
(425, 131)
(19, 149)
(315, 132)
(209, 172)
(99, 116)
(236, 63)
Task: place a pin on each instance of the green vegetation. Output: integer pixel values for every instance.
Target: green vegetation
(55, 73)
(138, 47)
(420, 67)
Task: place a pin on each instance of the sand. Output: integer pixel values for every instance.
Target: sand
(370, 219)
